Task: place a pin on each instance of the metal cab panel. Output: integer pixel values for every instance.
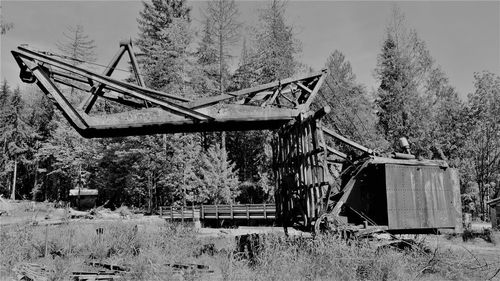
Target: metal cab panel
(422, 197)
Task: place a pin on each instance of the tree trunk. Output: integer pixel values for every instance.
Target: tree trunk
(33, 193)
(13, 195)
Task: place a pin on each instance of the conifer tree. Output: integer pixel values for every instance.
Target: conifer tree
(77, 45)
(15, 134)
(163, 39)
(402, 68)
(276, 46)
(221, 21)
(484, 134)
(219, 177)
(352, 112)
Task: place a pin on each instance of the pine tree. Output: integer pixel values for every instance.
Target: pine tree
(158, 15)
(402, 67)
(221, 20)
(208, 84)
(352, 113)
(276, 46)
(77, 45)
(246, 75)
(484, 134)
(16, 135)
(4, 26)
(164, 38)
(219, 177)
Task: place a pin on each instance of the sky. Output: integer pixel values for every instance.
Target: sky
(463, 37)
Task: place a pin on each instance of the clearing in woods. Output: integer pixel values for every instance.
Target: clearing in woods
(139, 247)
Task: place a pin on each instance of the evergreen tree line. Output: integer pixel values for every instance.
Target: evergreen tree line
(43, 157)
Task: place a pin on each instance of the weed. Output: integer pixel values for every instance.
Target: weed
(145, 250)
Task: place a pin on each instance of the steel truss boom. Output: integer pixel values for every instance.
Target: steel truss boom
(148, 111)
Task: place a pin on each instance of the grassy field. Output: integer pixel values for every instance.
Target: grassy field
(146, 247)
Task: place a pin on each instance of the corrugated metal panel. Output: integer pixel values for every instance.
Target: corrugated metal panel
(421, 197)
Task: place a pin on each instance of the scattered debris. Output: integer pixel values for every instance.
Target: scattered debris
(486, 234)
(208, 249)
(113, 267)
(404, 245)
(94, 276)
(191, 267)
(31, 272)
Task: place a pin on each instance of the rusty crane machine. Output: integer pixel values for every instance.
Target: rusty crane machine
(317, 185)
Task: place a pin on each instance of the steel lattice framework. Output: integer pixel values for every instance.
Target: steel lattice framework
(309, 193)
(267, 106)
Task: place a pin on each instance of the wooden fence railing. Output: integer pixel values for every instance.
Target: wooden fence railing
(219, 212)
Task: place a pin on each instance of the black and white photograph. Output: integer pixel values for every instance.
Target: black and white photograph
(249, 140)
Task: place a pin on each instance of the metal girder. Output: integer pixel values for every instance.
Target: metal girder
(43, 81)
(348, 141)
(267, 106)
(125, 87)
(108, 71)
(261, 88)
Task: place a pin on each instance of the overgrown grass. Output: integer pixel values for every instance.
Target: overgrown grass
(146, 249)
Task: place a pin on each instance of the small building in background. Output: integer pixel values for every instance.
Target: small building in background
(83, 198)
(494, 212)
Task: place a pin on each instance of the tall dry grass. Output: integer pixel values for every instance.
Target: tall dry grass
(145, 249)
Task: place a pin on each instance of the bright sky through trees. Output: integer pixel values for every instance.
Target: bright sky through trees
(463, 37)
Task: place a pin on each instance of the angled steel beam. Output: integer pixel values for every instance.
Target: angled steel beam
(304, 87)
(135, 65)
(30, 55)
(108, 71)
(347, 141)
(44, 82)
(315, 90)
(135, 68)
(175, 108)
(213, 100)
(336, 152)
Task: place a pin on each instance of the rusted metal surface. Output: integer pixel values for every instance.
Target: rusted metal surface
(421, 197)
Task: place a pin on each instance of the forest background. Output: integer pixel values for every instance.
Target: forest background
(43, 157)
